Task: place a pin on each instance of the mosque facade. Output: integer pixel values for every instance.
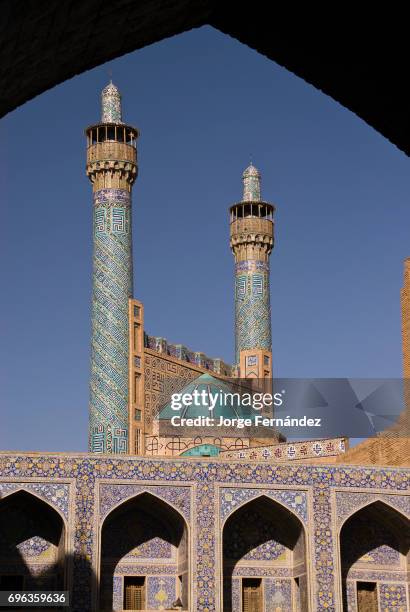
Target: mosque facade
(155, 519)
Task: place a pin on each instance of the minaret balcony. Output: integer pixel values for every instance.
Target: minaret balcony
(111, 151)
(251, 225)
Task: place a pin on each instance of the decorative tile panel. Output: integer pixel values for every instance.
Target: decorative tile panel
(351, 598)
(57, 495)
(232, 498)
(252, 312)
(112, 287)
(111, 104)
(206, 476)
(348, 503)
(161, 592)
(393, 598)
(117, 593)
(278, 595)
(112, 494)
(285, 451)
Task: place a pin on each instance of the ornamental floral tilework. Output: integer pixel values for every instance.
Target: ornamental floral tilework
(206, 478)
(278, 595)
(112, 494)
(236, 594)
(37, 548)
(258, 571)
(57, 495)
(348, 503)
(161, 592)
(157, 569)
(393, 598)
(351, 596)
(232, 498)
(117, 596)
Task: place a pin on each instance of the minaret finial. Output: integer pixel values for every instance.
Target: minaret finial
(251, 184)
(111, 104)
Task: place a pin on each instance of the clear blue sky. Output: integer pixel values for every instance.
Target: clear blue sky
(204, 103)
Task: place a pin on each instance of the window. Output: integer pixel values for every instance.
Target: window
(367, 597)
(130, 137)
(251, 595)
(137, 329)
(137, 311)
(137, 378)
(134, 592)
(137, 415)
(137, 361)
(248, 210)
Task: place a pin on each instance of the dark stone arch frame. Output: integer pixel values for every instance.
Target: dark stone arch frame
(44, 44)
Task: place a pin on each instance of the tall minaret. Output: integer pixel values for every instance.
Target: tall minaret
(251, 232)
(112, 170)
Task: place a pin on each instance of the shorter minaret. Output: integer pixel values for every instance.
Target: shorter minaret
(251, 241)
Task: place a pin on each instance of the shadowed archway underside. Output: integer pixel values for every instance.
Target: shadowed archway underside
(45, 43)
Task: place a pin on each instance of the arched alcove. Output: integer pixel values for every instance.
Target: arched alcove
(32, 544)
(374, 551)
(144, 556)
(264, 559)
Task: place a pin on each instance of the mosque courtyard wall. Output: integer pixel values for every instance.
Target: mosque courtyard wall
(307, 536)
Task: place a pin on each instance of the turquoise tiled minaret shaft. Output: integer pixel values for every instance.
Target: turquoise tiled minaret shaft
(112, 168)
(251, 231)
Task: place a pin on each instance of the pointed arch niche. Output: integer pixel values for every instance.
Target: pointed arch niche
(264, 559)
(32, 544)
(144, 560)
(374, 559)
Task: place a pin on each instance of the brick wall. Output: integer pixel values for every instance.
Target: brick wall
(392, 447)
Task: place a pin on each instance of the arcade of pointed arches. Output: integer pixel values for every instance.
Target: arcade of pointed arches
(145, 554)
